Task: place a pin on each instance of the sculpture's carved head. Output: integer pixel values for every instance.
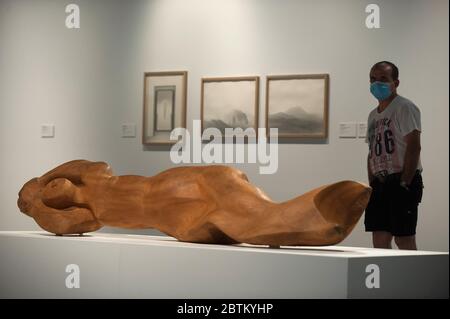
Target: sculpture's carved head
(27, 196)
(57, 206)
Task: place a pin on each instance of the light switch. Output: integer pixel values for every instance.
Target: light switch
(347, 129)
(362, 129)
(47, 130)
(128, 130)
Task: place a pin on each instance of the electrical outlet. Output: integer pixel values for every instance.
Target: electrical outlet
(47, 130)
(128, 130)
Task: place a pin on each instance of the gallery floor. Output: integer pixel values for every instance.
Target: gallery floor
(41, 265)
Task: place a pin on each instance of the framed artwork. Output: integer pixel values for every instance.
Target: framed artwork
(230, 102)
(164, 105)
(298, 105)
(164, 108)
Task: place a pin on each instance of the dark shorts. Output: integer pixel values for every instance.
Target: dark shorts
(392, 208)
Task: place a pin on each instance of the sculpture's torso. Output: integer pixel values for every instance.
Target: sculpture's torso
(207, 204)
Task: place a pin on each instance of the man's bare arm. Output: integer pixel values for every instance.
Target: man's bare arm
(412, 156)
(369, 172)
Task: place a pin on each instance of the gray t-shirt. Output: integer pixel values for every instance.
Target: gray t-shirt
(385, 135)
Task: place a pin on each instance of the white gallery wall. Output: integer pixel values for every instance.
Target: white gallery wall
(89, 81)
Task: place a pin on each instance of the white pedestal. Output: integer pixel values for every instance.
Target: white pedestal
(33, 265)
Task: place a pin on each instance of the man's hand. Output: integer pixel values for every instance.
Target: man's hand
(412, 156)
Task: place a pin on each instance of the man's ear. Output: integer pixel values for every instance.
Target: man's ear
(396, 83)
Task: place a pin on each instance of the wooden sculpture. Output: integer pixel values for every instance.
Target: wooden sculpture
(203, 204)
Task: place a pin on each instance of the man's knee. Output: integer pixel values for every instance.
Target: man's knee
(382, 239)
(405, 241)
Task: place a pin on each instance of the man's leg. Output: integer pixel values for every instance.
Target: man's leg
(406, 242)
(382, 239)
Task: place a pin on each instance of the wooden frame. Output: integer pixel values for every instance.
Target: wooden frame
(154, 82)
(255, 96)
(295, 117)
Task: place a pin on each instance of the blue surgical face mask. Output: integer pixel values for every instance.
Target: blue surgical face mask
(380, 90)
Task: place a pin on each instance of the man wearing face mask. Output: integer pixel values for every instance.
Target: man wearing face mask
(393, 163)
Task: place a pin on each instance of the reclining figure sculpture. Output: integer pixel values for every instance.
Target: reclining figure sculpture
(203, 204)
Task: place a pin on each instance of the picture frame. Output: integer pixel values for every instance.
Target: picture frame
(230, 102)
(165, 95)
(297, 105)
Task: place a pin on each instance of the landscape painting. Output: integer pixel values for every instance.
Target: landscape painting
(230, 102)
(298, 105)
